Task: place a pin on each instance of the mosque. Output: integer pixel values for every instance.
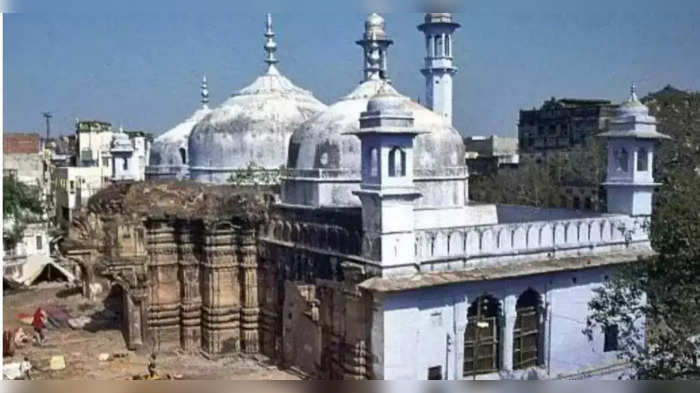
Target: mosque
(372, 263)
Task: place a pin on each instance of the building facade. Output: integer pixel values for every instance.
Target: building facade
(22, 158)
(561, 124)
(130, 152)
(372, 262)
(73, 187)
(484, 156)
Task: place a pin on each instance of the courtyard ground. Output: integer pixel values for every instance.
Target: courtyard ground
(81, 348)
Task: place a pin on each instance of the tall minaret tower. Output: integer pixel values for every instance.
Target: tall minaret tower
(439, 63)
(375, 43)
(631, 145)
(388, 192)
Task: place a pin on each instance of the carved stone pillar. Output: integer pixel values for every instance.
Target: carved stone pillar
(190, 311)
(220, 292)
(250, 313)
(355, 361)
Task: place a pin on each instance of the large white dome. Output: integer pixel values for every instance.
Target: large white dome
(321, 148)
(251, 127)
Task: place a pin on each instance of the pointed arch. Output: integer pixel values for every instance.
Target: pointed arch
(397, 162)
(527, 332)
(482, 337)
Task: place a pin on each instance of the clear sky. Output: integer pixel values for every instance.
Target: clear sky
(141, 67)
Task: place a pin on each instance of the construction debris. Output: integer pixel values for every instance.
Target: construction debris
(57, 363)
(11, 371)
(79, 322)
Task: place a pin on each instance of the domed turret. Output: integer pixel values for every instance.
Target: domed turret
(375, 24)
(633, 107)
(253, 127)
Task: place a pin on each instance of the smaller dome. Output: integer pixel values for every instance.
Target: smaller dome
(633, 107)
(374, 20)
(375, 27)
(387, 99)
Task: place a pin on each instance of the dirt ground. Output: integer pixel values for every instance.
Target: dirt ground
(81, 348)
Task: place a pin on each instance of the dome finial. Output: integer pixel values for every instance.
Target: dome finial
(205, 92)
(271, 45)
(374, 67)
(375, 44)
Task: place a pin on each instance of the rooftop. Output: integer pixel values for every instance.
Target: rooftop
(502, 271)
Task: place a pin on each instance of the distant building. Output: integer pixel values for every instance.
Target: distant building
(562, 124)
(30, 251)
(103, 156)
(130, 151)
(73, 187)
(94, 146)
(486, 155)
(22, 158)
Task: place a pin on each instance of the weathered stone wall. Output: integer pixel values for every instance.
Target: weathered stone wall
(222, 283)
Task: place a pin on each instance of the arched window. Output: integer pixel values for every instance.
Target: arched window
(482, 337)
(622, 157)
(183, 155)
(526, 334)
(374, 162)
(642, 160)
(397, 162)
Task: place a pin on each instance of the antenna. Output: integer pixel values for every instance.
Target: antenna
(48, 117)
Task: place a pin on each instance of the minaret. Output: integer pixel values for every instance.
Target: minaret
(439, 63)
(205, 93)
(270, 47)
(631, 145)
(387, 192)
(375, 43)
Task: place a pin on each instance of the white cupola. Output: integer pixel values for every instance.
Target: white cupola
(632, 138)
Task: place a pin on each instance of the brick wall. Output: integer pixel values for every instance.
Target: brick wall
(21, 143)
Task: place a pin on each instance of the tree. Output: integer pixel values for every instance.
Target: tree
(539, 182)
(254, 175)
(664, 290)
(21, 205)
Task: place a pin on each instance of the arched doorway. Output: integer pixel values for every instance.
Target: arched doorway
(527, 331)
(482, 337)
(115, 313)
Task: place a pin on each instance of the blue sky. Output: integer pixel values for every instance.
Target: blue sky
(141, 67)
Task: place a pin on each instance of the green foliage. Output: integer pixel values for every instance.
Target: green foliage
(18, 198)
(254, 175)
(20, 205)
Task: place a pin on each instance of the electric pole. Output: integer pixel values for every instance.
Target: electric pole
(48, 117)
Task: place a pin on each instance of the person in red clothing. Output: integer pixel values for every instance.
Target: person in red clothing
(39, 322)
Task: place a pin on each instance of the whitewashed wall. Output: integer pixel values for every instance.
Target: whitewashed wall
(418, 324)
